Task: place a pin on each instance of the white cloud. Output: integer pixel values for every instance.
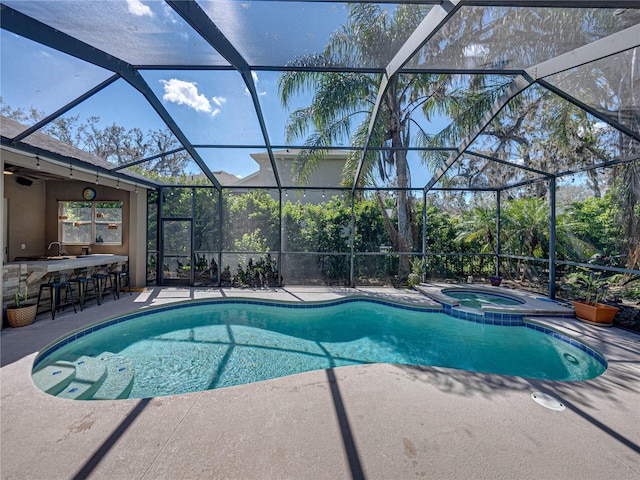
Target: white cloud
(186, 93)
(168, 14)
(254, 75)
(136, 7)
(219, 100)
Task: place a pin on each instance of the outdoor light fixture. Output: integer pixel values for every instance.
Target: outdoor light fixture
(135, 190)
(97, 180)
(70, 171)
(118, 185)
(323, 193)
(37, 162)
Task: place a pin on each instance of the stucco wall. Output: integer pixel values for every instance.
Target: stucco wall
(72, 191)
(26, 219)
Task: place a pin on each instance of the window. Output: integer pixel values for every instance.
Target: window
(82, 223)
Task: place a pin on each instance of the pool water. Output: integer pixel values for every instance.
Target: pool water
(218, 344)
(478, 299)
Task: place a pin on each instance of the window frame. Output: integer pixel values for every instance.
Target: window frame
(94, 221)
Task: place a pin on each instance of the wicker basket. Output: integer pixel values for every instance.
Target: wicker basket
(19, 317)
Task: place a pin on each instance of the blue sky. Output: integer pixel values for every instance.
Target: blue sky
(210, 107)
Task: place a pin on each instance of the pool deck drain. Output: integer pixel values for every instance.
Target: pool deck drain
(548, 401)
(372, 421)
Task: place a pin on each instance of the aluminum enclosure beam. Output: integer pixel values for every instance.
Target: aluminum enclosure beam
(434, 20)
(607, 46)
(27, 27)
(552, 238)
(522, 3)
(148, 159)
(193, 14)
(508, 163)
(66, 108)
(592, 111)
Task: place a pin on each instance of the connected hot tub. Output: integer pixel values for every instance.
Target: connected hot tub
(472, 299)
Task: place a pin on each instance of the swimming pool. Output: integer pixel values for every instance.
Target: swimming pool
(476, 299)
(210, 344)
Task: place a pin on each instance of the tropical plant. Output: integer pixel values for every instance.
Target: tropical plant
(248, 212)
(341, 100)
(21, 300)
(479, 227)
(418, 266)
(262, 273)
(626, 195)
(526, 223)
(588, 285)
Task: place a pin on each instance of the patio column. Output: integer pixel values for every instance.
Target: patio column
(424, 235)
(552, 237)
(220, 242)
(281, 237)
(498, 232)
(352, 263)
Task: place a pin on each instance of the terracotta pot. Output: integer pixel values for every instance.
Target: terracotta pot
(19, 317)
(599, 313)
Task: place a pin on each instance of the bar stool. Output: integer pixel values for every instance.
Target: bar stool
(54, 283)
(120, 276)
(86, 286)
(104, 281)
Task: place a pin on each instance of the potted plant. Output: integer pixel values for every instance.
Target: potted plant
(495, 280)
(22, 313)
(591, 309)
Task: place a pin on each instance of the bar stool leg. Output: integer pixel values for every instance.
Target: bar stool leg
(55, 294)
(96, 292)
(69, 291)
(82, 289)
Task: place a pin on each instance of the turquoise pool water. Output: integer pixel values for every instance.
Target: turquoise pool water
(476, 299)
(215, 344)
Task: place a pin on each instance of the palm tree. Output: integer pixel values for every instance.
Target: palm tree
(479, 226)
(340, 109)
(626, 194)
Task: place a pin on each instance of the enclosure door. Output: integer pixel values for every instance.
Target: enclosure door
(176, 253)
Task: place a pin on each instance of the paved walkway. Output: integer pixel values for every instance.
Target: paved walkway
(376, 421)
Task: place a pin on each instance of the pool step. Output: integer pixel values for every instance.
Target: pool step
(91, 372)
(54, 378)
(106, 377)
(119, 380)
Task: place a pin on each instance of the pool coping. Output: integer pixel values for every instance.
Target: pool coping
(379, 421)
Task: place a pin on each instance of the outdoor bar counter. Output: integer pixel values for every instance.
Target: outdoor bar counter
(39, 268)
(30, 272)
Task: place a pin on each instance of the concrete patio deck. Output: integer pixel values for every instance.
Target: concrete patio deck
(375, 421)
